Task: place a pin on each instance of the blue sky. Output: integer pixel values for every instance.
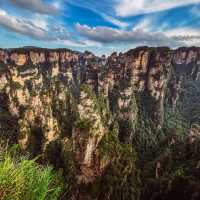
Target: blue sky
(100, 26)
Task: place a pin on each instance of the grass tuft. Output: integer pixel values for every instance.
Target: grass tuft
(24, 179)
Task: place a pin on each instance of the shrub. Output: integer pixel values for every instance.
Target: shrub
(24, 179)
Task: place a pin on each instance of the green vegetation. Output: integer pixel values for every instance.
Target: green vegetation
(83, 124)
(69, 170)
(15, 85)
(27, 66)
(174, 120)
(188, 104)
(121, 178)
(3, 67)
(100, 104)
(180, 173)
(24, 179)
(103, 160)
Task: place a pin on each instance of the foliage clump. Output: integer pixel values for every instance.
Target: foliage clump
(121, 179)
(178, 171)
(24, 179)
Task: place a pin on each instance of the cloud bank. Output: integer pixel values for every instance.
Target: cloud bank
(125, 8)
(31, 28)
(136, 36)
(36, 6)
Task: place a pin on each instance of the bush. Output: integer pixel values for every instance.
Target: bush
(24, 179)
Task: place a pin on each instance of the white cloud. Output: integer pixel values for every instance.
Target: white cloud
(37, 6)
(183, 31)
(126, 8)
(115, 21)
(36, 28)
(142, 34)
(40, 21)
(81, 44)
(109, 35)
(190, 36)
(101, 7)
(145, 24)
(151, 24)
(21, 26)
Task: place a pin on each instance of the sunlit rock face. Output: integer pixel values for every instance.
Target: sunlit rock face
(86, 135)
(150, 69)
(41, 98)
(40, 79)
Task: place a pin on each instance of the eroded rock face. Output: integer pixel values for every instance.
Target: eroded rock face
(87, 134)
(150, 75)
(36, 80)
(41, 93)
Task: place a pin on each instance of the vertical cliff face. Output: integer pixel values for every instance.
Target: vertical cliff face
(69, 105)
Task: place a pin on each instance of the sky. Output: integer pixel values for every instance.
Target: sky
(100, 26)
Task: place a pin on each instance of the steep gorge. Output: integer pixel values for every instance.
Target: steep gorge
(99, 119)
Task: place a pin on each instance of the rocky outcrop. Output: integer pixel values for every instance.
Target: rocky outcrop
(60, 102)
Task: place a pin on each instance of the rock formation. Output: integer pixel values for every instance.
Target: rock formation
(68, 105)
